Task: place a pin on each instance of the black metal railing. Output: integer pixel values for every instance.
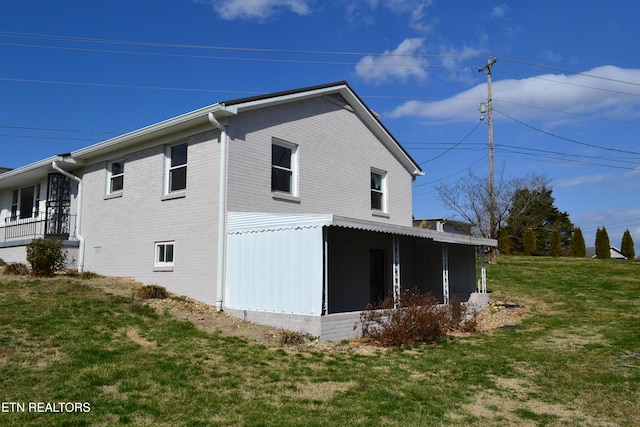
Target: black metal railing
(35, 227)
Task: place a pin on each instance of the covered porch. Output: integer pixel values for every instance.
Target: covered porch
(316, 273)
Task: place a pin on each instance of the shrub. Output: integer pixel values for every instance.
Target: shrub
(603, 248)
(504, 243)
(578, 247)
(530, 242)
(16, 268)
(152, 292)
(627, 246)
(2, 263)
(555, 249)
(46, 256)
(418, 318)
(292, 338)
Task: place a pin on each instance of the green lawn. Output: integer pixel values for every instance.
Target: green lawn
(574, 360)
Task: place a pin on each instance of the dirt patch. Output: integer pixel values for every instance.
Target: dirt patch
(498, 314)
(501, 314)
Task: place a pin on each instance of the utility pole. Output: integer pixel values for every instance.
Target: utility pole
(492, 199)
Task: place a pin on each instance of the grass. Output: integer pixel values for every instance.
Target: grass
(573, 361)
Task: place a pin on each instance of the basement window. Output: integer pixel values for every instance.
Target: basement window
(164, 252)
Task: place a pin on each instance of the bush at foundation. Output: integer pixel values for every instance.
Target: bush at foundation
(417, 318)
(46, 256)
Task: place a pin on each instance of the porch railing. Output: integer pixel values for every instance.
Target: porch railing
(20, 228)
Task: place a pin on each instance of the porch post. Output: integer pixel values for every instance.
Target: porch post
(396, 271)
(483, 271)
(325, 260)
(445, 273)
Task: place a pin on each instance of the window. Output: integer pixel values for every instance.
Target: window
(378, 184)
(176, 177)
(25, 202)
(115, 173)
(283, 167)
(164, 254)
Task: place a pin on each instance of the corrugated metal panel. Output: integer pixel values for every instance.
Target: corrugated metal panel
(276, 270)
(243, 222)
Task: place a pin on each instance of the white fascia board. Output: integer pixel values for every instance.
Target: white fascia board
(33, 172)
(171, 126)
(198, 118)
(288, 97)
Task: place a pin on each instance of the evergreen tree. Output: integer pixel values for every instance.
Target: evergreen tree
(530, 243)
(603, 247)
(578, 247)
(626, 247)
(503, 242)
(534, 209)
(555, 249)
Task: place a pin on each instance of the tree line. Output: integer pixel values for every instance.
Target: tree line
(527, 222)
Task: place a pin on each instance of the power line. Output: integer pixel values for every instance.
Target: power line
(568, 139)
(453, 146)
(229, 48)
(125, 86)
(58, 129)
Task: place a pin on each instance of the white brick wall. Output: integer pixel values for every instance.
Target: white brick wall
(335, 152)
(120, 232)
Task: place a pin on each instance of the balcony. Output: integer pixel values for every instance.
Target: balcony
(35, 227)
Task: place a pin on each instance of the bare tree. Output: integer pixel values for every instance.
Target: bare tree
(469, 199)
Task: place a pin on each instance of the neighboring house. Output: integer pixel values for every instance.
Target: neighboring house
(443, 224)
(291, 209)
(615, 253)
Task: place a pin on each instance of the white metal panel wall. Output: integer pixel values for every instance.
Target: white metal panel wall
(277, 271)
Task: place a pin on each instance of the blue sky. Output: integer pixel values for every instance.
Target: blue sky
(566, 84)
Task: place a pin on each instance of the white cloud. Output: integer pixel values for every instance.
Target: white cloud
(579, 180)
(257, 9)
(550, 56)
(634, 173)
(401, 64)
(541, 97)
(499, 11)
(416, 9)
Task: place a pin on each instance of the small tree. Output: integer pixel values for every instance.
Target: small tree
(603, 247)
(626, 247)
(503, 242)
(46, 256)
(555, 248)
(578, 246)
(529, 242)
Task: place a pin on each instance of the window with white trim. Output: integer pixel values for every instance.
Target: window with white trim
(25, 202)
(176, 168)
(115, 176)
(164, 252)
(378, 190)
(284, 165)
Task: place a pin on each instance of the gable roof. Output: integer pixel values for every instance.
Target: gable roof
(198, 120)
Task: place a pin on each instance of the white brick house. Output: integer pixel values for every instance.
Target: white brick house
(291, 209)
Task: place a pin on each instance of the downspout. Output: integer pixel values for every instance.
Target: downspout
(222, 210)
(78, 215)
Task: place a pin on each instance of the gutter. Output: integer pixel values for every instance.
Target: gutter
(222, 209)
(78, 215)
